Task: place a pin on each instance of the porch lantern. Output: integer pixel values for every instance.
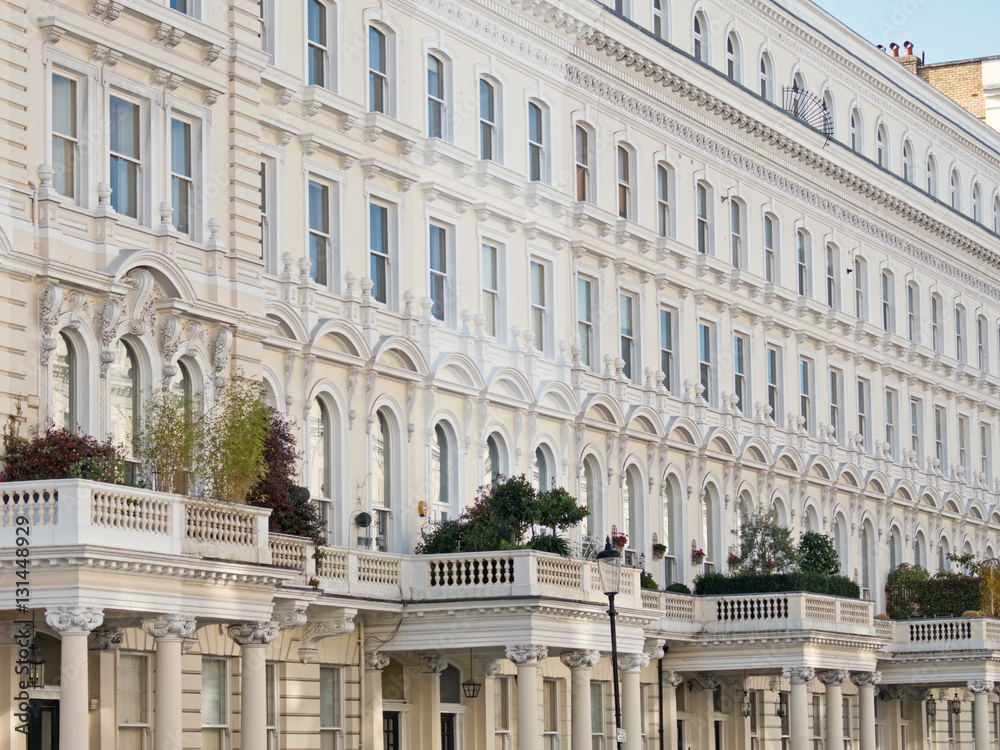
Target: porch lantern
(609, 568)
(781, 710)
(931, 707)
(745, 705)
(36, 664)
(470, 687)
(956, 705)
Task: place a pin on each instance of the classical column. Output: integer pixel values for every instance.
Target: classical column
(74, 624)
(834, 705)
(630, 666)
(526, 657)
(371, 712)
(431, 666)
(981, 711)
(896, 693)
(486, 727)
(253, 638)
(169, 632)
(104, 642)
(866, 682)
(671, 681)
(798, 704)
(580, 663)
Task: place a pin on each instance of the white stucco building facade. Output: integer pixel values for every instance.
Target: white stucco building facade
(681, 258)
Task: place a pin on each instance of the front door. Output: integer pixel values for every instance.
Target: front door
(390, 730)
(43, 724)
(447, 731)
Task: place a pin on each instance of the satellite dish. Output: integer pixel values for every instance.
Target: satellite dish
(809, 108)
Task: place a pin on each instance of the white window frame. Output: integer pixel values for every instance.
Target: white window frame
(703, 217)
(932, 178)
(891, 419)
(337, 732)
(598, 740)
(961, 345)
(664, 193)
(583, 159)
(802, 262)
(770, 239)
(541, 309)
(661, 19)
(707, 358)
(864, 404)
(937, 322)
(860, 284)
(590, 353)
(494, 297)
(773, 374)
(668, 320)
(807, 368)
(225, 696)
(832, 276)
(324, 235)
(888, 287)
(908, 167)
(737, 233)
(144, 173)
(383, 78)
(327, 50)
(504, 736)
(766, 69)
(734, 58)
(445, 312)
(700, 39)
(986, 452)
(539, 147)
(964, 439)
(144, 728)
(741, 370)
(882, 146)
(836, 402)
(983, 359)
(913, 312)
(490, 130)
(941, 435)
(274, 704)
(629, 338)
(916, 429)
(625, 161)
(390, 258)
(550, 737)
(193, 180)
(79, 145)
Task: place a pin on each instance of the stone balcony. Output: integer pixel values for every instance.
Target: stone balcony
(941, 650)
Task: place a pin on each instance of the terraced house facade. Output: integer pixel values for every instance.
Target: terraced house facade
(681, 258)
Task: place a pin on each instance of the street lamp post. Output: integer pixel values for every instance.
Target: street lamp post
(609, 567)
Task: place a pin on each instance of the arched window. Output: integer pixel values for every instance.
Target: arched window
(442, 469)
(703, 205)
(496, 459)
(766, 77)
(913, 312)
(543, 472)
(908, 173)
(956, 190)
(811, 520)
(537, 142)
(489, 120)
(920, 551)
(320, 456)
(65, 384)
(770, 248)
(996, 214)
(709, 528)
(384, 477)
(584, 144)
(882, 146)
(895, 549)
(977, 203)
(743, 510)
(840, 541)
(124, 392)
(867, 559)
(450, 686)
(671, 532)
(860, 283)
(664, 178)
(734, 58)
(888, 301)
(829, 112)
(944, 564)
(626, 174)
(661, 19)
(700, 37)
(932, 180)
(437, 94)
(631, 504)
(856, 144)
(590, 492)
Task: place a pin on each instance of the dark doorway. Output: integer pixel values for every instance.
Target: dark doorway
(447, 731)
(390, 730)
(43, 724)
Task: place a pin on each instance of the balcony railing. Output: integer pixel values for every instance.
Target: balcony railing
(945, 634)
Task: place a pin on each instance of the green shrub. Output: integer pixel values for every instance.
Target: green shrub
(765, 545)
(59, 454)
(678, 588)
(717, 584)
(442, 538)
(817, 554)
(903, 587)
(899, 614)
(550, 543)
(949, 596)
(647, 581)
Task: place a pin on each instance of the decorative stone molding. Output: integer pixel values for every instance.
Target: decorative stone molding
(170, 627)
(798, 675)
(314, 632)
(526, 654)
(258, 633)
(673, 679)
(291, 616)
(432, 663)
(376, 661)
(922, 694)
(834, 677)
(488, 667)
(74, 619)
(106, 638)
(980, 686)
(633, 662)
(584, 659)
(895, 692)
(866, 679)
(701, 682)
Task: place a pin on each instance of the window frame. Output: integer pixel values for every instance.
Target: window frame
(540, 308)
(629, 337)
(325, 48)
(141, 162)
(583, 159)
(766, 76)
(700, 38)
(499, 292)
(737, 233)
(668, 321)
(323, 234)
(590, 352)
(488, 126)
(771, 242)
(913, 312)
(538, 150)
(891, 418)
(741, 371)
(773, 374)
(385, 259)
(380, 71)
(888, 297)
(78, 145)
(625, 172)
(803, 270)
(916, 429)
(706, 359)
(836, 386)
(143, 728)
(807, 389)
(333, 730)
(225, 697)
(437, 100)
(703, 217)
(195, 127)
(441, 282)
(832, 276)
(864, 404)
(734, 58)
(664, 194)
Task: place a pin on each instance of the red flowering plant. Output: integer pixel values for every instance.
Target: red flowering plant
(619, 539)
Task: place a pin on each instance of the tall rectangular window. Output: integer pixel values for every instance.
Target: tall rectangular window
(816, 725)
(125, 155)
(662, 201)
(891, 408)
(859, 289)
(318, 45)
(435, 97)
(597, 717)
(550, 714)
(960, 352)
(832, 274)
(133, 701)
(963, 444)
(659, 26)
(736, 232)
(331, 708)
(214, 703)
(581, 139)
(539, 304)
(266, 210)
(848, 719)
(65, 142)
(491, 287)
(985, 451)
(940, 433)
(319, 232)
(916, 428)
(805, 391)
(536, 142)
(624, 183)
(378, 71)
(585, 337)
(181, 174)
(983, 361)
(774, 382)
(864, 411)
(802, 262)
(912, 326)
(271, 698)
(502, 714)
(886, 301)
(740, 389)
(770, 251)
(936, 324)
(487, 120)
(701, 197)
(626, 320)
(836, 400)
(705, 359)
(667, 347)
(378, 243)
(438, 261)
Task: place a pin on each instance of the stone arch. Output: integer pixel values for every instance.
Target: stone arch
(401, 352)
(464, 368)
(606, 408)
(513, 382)
(345, 335)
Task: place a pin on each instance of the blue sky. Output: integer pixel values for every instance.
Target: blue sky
(943, 29)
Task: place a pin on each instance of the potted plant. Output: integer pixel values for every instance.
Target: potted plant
(734, 560)
(697, 555)
(363, 520)
(619, 540)
(659, 550)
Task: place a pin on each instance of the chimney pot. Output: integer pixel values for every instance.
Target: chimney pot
(908, 47)
(895, 49)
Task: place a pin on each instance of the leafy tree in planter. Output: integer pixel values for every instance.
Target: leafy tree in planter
(558, 510)
(765, 545)
(817, 554)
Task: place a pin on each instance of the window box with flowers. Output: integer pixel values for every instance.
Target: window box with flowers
(734, 561)
(619, 540)
(697, 555)
(659, 550)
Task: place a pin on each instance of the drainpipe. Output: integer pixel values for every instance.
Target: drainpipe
(659, 693)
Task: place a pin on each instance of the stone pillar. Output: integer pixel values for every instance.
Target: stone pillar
(671, 681)
(253, 638)
(169, 631)
(487, 725)
(74, 625)
(371, 711)
(702, 729)
(896, 693)
(103, 643)
(630, 665)
(431, 667)
(981, 711)
(529, 730)
(798, 704)
(919, 723)
(834, 705)
(866, 682)
(580, 664)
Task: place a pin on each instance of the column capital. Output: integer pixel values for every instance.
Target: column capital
(170, 627)
(376, 661)
(866, 679)
(798, 675)
(922, 694)
(527, 654)
(432, 663)
(834, 677)
(106, 638)
(672, 679)
(895, 692)
(489, 667)
(258, 633)
(633, 662)
(976, 687)
(79, 620)
(704, 682)
(583, 659)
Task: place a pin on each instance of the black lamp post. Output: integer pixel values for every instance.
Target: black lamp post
(609, 567)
